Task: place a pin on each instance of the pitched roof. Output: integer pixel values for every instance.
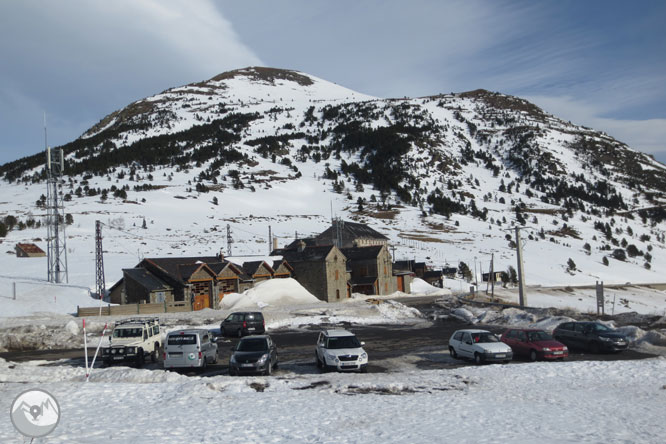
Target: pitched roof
(144, 278)
(29, 248)
(277, 264)
(178, 269)
(361, 253)
(251, 268)
(309, 253)
(350, 231)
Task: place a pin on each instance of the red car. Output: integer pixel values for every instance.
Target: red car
(534, 344)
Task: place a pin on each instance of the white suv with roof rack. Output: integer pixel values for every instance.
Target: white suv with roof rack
(132, 340)
(340, 350)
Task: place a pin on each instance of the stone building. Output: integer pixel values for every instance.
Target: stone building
(322, 270)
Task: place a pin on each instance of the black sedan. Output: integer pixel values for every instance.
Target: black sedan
(592, 336)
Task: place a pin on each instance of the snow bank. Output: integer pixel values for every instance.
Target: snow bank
(41, 297)
(270, 293)
(419, 287)
(345, 406)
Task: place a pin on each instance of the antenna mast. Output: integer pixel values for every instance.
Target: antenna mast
(99, 261)
(55, 215)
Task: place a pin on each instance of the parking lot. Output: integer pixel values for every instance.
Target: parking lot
(390, 348)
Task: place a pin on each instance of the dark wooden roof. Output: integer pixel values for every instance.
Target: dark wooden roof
(145, 278)
(309, 253)
(362, 253)
(251, 268)
(178, 269)
(277, 264)
(350, 232)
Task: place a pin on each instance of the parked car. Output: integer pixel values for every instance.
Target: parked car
(592, 336)
(479, 345)
(534, 344)
(132, 340)
(243, 323)
(253, 354)
(340, 350)
(192, 348)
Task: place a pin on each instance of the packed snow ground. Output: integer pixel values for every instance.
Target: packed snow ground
(576, 402)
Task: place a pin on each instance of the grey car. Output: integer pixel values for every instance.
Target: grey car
(253, 354)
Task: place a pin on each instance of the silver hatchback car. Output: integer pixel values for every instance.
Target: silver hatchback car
(192, 348)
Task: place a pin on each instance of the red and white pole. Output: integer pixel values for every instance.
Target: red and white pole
(85, 347)
(92, 365)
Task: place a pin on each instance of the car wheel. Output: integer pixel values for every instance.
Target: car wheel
(318, 361)
(204, 364)
(275, 366)
(452, 352)
(222, 331)
(232, 372)
(478, 359)
(240, 333)
(364, 369)
(269, 369)
(533, 355)
(214, 358)
(594, 347)
(154, 356)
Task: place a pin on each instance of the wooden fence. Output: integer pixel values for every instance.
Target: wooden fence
(132, 309)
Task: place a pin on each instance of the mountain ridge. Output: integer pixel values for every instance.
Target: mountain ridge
(478, 157)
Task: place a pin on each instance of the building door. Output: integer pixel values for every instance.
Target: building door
(401, 283)
(201, 291)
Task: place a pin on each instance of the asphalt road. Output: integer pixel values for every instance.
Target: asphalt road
(390, 347)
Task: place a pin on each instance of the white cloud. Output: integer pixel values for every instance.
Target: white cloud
(79, 60)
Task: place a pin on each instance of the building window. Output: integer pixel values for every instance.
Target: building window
(337, 275)
(337, 294)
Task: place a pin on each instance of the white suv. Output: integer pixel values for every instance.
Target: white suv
(340, 350)
(480, 345)
(133, 339)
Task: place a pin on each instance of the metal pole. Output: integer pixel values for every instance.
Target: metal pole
(14, 290)
(522, 297)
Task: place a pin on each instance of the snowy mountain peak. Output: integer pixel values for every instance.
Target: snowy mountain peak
(445, 177)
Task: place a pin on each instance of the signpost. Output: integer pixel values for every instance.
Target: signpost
(600, 298)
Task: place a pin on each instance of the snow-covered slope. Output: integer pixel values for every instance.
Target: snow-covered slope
(447, 178)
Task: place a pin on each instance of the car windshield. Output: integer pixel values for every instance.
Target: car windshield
(536, 336)
(599, 327)
(252, 345)
(343, 342)
(182, 339)
(127, 332)
(484, 337)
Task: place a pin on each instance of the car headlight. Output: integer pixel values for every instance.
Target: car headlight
(332, 357)
(233, 359)
(565, 348)
(546, 349)
(364, 356)
(262, 359)
(605, 339)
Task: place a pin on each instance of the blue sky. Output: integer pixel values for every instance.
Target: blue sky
(597, 63)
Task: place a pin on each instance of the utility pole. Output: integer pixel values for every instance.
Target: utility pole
(270, 240)
(521, 272)
(99, 260)
(229, 240)
(491, 276)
